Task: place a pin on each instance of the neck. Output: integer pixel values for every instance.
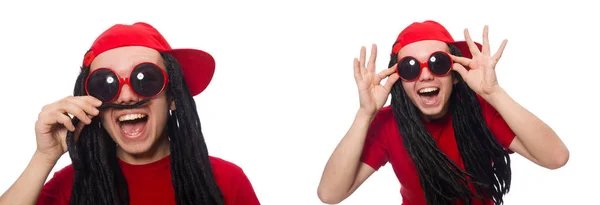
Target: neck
(429, 118)
(159, 150)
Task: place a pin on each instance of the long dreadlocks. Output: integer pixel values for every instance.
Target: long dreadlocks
(487, 164)
(98, 177)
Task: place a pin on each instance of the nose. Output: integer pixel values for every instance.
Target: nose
(127, 96)
(425, 74)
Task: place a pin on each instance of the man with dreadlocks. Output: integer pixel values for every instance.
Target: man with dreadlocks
(449, 129)
(136, 136)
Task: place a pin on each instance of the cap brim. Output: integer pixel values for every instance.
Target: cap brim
(198, 68)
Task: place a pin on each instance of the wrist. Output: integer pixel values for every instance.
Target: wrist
(44, 159)
(366, 113)
(497, 96)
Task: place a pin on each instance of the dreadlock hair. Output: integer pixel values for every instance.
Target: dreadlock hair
(98, 177)
(487, 164)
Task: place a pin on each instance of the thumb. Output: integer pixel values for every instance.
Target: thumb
(389, 83)
(76, 133)
(460, 69)
(79, 128)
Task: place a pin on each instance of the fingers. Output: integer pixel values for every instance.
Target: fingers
(460, 69)
(85, 108)
(372, 59)
(92, 100)
(82, 107)
(387, 72)
(472, 47)
(462, 60)
(390, 81)
(76, 132)
(360, 69)
(79, 113)
(486, 44)
(357, 74)
(63, 119)
(361, 61)
(498, 54)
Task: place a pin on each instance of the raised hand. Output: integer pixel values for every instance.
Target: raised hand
(372, 94)
(53, 123)
(482, 74)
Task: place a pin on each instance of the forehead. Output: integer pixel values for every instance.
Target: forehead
(422, 49)
(123, 59)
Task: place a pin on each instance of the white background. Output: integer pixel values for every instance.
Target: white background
(283, 94)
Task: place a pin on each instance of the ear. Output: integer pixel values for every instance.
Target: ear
(454, 81)
(172, 106)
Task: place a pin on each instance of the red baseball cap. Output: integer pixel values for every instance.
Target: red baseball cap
(429, 30)
(198, 67)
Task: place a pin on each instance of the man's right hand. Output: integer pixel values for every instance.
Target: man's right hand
(372, 94)
(54, 122)
(50, 130)
(344, 171)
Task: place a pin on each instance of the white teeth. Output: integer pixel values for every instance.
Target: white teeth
(131, 117)
(427, 90)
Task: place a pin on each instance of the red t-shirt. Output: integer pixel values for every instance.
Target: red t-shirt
(151, 184)
(384, 144)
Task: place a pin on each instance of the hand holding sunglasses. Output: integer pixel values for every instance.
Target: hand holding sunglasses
(481, 76)
(372, 94)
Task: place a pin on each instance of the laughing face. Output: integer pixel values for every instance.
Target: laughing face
(140, 132)
(429, 93)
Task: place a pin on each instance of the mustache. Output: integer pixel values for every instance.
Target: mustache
(76, 121)
(121, 107)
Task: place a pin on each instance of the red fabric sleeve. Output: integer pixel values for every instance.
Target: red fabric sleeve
(233, 182)
(53, 192)
(374, 151)
(497, 125)
(244, 192)
(50, 194)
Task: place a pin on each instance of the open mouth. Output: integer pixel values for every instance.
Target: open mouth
(429, 95)
(132, 125)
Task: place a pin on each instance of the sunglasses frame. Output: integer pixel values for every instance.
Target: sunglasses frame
(425, 64)
(126, 81)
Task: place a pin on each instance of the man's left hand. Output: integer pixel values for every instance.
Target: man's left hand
(481, 76)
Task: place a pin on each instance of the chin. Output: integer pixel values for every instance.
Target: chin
(432, 112)
(134, 148)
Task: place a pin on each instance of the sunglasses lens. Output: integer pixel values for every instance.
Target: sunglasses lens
(409, 68)
(439, 63)
(147, 80)
(103, 84)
